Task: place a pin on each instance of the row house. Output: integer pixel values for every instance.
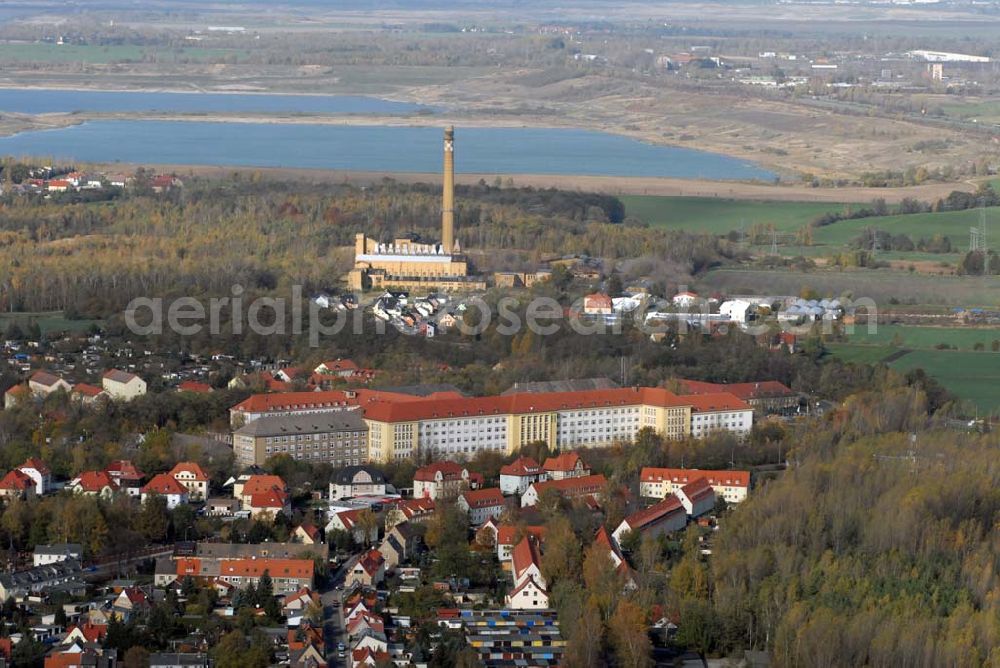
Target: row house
(569, 488)
(661, 518)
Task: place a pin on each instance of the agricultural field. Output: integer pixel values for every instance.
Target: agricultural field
(720, 216)
(48, 322)
(953, 224)
(926, 338)
(882, 285)
(971, 376)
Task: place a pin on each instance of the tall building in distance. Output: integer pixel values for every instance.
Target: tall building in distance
(407, 263)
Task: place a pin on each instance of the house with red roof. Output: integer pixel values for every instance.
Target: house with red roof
(368, 571)
(338, 367)
(661, 518)
(565, 465)
(350, 521)
(16, 394)
(193, 477)
(126, 476)
(307, 533)
(410, 510)
(296, 603)
(598, 304)
(16, 485)
(519, 474)
(529, 592)
(165, 485)
(440, 480)
(194, 387)
(131, 601)
(718, 412)
(93, 482)
(87, 394)
(697, 497)
(481, 504)
(265, 496)
(85, 633)
(568, 488)
(508, 535)
(657, 483)
(38, 471)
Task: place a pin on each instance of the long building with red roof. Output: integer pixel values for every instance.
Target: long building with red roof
(448, 425)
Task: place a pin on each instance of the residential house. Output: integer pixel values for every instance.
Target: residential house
(264, 495)
(191, 475)
(39, 472)
(685, 300)
(93, 482)
(598, 304)
(129, 603)
(508, 535)
(307, 534)
(409, 510)
(529, 591)
(126, 476)
(297, 603)
(697, 497)
(657, 483)
(339, 367)
(87, 394)
(667, 516)
(122, 385)
(15, 395)
(352, 481)
(43, 383)
(565, 465)
(368, 571)
(399, 544)
(17, 485)
(481, 504)
(221, 506)
(195, 387)
(440, 480)
(287, 574)
(63, 576)
(569, 488)
(165, 485)
(516, 477)
(50, 554)
(352, 521)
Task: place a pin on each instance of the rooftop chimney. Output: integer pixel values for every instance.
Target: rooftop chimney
(448, 192)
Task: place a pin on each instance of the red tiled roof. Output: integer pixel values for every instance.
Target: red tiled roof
(281, 401)
(415, 507)
(684, 476)
(719, 401)
(304, 592)
(588, 484)
(521, 403)
(310, 530)
(656, 512)
(134, 595)
(371, 561)
(507, 533)
(341, 365)
(598, 300)
(90, 632)
(35, 463)
(190, 467)
(483, 498)
(448, 470)
(264, 483)
(522, 466)
(164, 484)
(603, 539)
(45, 378)
(276, 568)
(95, 481)
(87, 390)
(124, 469)
(194, 386)
(272, 498)
(696, 489)
(744, 391)
(566, 462)
(188, 566)
(524, 555)
(530, 580)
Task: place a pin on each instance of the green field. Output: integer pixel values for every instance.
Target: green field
(971, 376)
(882, 285)
(859, 354)
(926, 338)
(953, 224)
(76, 53)
(48, 321)
(720, 216)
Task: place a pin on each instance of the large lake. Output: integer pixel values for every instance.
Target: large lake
(375, 148)
(46, 101)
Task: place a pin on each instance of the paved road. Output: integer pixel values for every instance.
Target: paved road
(334, 629)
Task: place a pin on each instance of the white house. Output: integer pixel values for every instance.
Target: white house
(685, 300)
(37, 470)
(529, 595)
(165, 485)
(50, 554)
(738, 310)
(123, 385)
(194, 479)
(516, 477)
(354, 481)
(697, 497)
(481, 504)
(661, 518)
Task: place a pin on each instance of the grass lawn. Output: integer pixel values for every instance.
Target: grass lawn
(48, 321)
(719, 216)
(859, 354)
